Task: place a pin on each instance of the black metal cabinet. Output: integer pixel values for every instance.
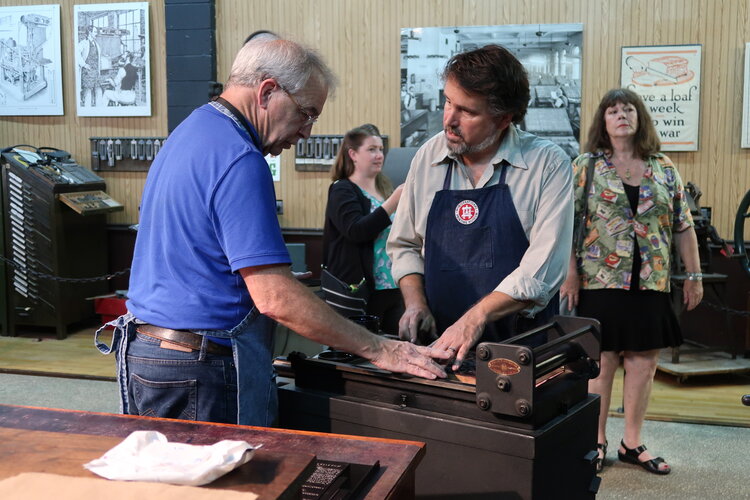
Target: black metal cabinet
(3, 298)
(43, 236)
(466, 458)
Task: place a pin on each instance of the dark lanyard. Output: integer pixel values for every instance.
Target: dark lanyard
(240, 118)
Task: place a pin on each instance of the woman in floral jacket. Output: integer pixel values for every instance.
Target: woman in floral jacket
(620, 272)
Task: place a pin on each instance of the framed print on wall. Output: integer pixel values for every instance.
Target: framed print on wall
(112, 64)
(551, 53)
(30, 68)
(668, 79)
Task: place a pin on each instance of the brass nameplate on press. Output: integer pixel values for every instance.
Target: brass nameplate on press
(503, 366)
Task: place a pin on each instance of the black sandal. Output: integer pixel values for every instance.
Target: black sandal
(600, 460)
(631, 456)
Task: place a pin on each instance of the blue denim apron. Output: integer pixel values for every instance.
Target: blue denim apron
(252, 347)
(473, 240)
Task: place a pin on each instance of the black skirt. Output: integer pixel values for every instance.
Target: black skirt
(632, 320)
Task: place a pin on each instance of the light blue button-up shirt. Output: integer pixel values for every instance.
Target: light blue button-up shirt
(541, 187)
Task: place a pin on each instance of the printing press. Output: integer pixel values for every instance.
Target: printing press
(517, 422)
(23, 70)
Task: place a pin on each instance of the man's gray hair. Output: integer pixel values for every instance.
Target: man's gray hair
(287, 62)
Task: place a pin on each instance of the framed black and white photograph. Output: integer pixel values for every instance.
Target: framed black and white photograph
(112, 68)
(746, 101)
(551, 54)
(668, 79)
(30, 68)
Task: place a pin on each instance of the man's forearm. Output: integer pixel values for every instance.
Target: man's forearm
(278, 295)
(412, 288)
(495, 306)
(492, 307)
(464, 334)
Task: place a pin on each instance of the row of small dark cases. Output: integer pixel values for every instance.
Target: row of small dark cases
(109, 153)
(323, 147)
(124, 153)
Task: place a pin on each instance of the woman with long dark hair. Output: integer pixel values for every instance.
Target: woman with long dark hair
(620, 272)
(361, 203)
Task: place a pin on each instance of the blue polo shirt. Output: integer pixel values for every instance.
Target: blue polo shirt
(208, 210)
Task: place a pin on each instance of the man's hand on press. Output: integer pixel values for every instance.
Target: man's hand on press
(404, 357)
(417, 319)
(461, 336)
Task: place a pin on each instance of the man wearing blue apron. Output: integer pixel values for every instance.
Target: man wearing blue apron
(211, 272)
(482, 237)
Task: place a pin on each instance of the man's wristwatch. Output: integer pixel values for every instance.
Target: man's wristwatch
(694, 276)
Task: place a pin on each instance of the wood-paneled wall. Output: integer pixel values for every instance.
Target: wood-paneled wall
(360, 40)
(71, 132)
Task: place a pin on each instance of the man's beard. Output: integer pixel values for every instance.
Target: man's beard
(462, 148)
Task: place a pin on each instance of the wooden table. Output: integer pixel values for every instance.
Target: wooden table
(61, 441)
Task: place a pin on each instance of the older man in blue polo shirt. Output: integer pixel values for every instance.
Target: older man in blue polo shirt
(211, 272)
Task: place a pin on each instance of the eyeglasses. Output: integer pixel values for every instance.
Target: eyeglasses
(309, 119)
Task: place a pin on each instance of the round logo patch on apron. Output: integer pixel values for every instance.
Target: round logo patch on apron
(467, 212)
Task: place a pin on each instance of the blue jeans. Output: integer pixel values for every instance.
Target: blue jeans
(196, 385)
(174, 384)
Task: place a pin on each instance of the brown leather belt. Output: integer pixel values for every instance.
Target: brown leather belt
(182, 340)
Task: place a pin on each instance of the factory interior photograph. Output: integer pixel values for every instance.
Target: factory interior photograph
(400, 301)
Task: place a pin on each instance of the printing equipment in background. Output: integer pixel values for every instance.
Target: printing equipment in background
(554, 125)
(523, 427)
(55, 227)
(22, 67)
(554, 112)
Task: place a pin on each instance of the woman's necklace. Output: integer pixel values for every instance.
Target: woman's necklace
(628, 174)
